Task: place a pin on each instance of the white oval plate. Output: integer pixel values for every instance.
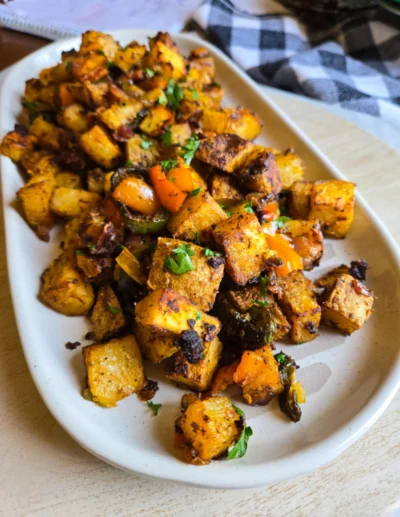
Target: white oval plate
(349, 381)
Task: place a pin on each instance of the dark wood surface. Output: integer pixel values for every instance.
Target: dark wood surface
(16, 45)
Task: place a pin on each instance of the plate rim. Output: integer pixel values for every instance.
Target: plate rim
(244, 476)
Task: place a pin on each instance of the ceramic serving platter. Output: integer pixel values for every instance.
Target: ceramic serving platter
(349, 380)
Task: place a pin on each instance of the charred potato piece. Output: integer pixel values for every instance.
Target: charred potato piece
(114, 370)
(291, 167)
(155, 346)
(38, 97)
(201, 67)
(139, 154)
(49, 135)
(95, 269)
(200, 285)
(244, 245)
(92, 67)
(39, 162)
(198, 214)
(224, 189)
(17, 143)
(76, 118)
(35, 198)
(195, 376)
(197, 100)
(208, 428)
(347, 304)
(64, 288)
(158, 117)
(126, 58)
(226, 152)
(259, 173)
(332, 202)
(69, 180)
(258, 376)
(118, 115)
(107, 317)
(238, 121)
(72, 202)
(357, 269)
(307, 240)
(299, 304)
(95, 180)
(100, 43)
(299, 199)
(164, 56)
(89, 94)
(99, 146)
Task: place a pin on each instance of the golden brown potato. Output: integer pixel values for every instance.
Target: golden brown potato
(76, 118)
(158, 117)
(200, 285)
(195, 376)
(35, 198)
(299, 304)
(69, 180)
(18, 143)
(238, 121)
(291, 167)
(49, 135)
(39, 162)
(226, 152)
(64, 288)
(38, 97)
(90, 94)
(197, 216)
(139, 154)
(154, 345)
(99, 146)
(332, 202)
(299, 199)
(201, 67)
(347, 304)
(196, 99)
(180, 133)
(208, 428)
(95, 180)
(244, 245)
(224, 189)
(164, 57)
(98, 42)
(126, 58)
(307, 240)
(95, 268)
(259, 172)
(92, 67)
(107, 317)
(114, 370)
(72, 202)
(118, 115)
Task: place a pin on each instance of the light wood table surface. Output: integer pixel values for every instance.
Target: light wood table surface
(44, 473)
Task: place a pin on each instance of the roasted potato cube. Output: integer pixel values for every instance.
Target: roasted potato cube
(259, 173)
(39, 162)
(56, 74)
(195, 376)
(226, 152)
(114, 370)
(244, 245)
(224, 189)
(96, 269)
(139, 154)
(347, 304)
(258, 376)
(307, 240)
(155, 346)
(299, 304)
(35, 198)
(357, 269)
(291, 167)
(95, 180)
(18, 143)
(89, 94)
(99, 42)
(107, 317)
(118, 115)
(201, 67)
(69, 180)
(126, 58)
(299, 199)
(238, 121)
(38, 97)
(98, 145)
(92, 67)
(208, 427)
(197, 214)
(168, 312)
(76, 118)
(200, 285)
(72, 202)
(332, 202)
(49, 135)
(180, 133)
(164, 56)
(64, 289)
(156, 120)
(196, 100)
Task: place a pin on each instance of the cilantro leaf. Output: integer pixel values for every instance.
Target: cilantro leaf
(240, 447)
(162, 99)
(248, 208)
(184, 248)
(113, 310)
(198, 316)
(167, 165)
(179, 261)
(174, 94)
(32, 106)
(189, 149)
(80, 252)
(154, 407)
(280, 358)
(128, 163)
(260, 303)
(197, 237)
(149, 73)
(211, 253)
(195, 192)
(264, 279)
(92, 246)
(100, 52)
(145, 143)
(172, 179)
(280, 221)
(166, 138)
(195, 93)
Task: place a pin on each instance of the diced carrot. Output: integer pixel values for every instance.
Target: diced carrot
(171, 196)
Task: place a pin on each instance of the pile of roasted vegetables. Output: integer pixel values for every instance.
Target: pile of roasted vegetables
(184, 241)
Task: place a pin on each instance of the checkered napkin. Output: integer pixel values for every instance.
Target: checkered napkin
(353, 62)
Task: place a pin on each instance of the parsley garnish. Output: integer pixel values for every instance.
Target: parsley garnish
(149, 73)
(197, 237)
(198, 316)
(260, 303)
(113, 310)
(280, 358)
(241, 413)
(100, 52)
(248, 208)
(162, 99)
(30, 105)
(211, 253)
(92, 246)
(154, 407)
(225, 210)
(195, 192)
(240, 447)
(128, 163)
(189, 149)
(80, 252)
(174, 94)
(166, 138)
(179, 261)
(172, 179)
(195, 93)
(145, 143)
(264, 279)
(168, 165)
(280, 221)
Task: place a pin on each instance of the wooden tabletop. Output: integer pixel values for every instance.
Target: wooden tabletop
(45, 473)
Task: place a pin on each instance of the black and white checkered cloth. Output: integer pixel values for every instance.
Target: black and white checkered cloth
(354, 62)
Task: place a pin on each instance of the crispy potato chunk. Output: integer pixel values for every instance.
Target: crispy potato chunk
(171, 313)
(35, 198)
(64, 288)
(226, 152)
(69, 180)
(201, 67)
(347, 304)
(76, 118)
(95, 180)
(244, 245)
(114, 370)
(107, 317)
(291, 167)
(238, 121)
(299, 199)
(259, 172)
(98, 41)
(164, 56)
(89, 94)
(126, 58)
(200, 285)
(199, 214)
(258, 376)
(97, 144)
(208, 428)
(17, 143)
(332, 202)
(195, 376)
(158, 117)
(139, 156)
(180, 133)
(299, 304)
(39, 162)
(40, 97)
(154, 345)
(196, 100)
(117, 115)
(92, 67)
(95, 268)
(307, 240)
(223, 188)
(72, 202)
(49, 135)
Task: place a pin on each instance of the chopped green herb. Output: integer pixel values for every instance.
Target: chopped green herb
(174, 94)
(195, 93)
(264, 279)
(197, 237)
(168, 165)
(184, 248)
(162, 99)
(128, 163)
(280, 221)
(166, 138)
(80, 252)
(113, 310)
(211, 253)
(30, 105)
(195, 192)
(100, 52)
(189, 149)
(280, 358)
(68, 66)
(198, 316)
(260, 303)
(172, 179)
(92, 246)
(241, 413)
(149, 73)
(179, 261)
(248, 208)
(110, 64)
(240, 447)
(154, 407)
(145, 143)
